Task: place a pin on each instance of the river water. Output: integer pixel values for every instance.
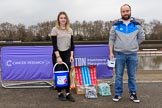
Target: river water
(150, 61)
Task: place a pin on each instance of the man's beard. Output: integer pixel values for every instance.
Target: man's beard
(126, 17)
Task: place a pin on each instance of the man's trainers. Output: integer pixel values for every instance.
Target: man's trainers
(70, 98)
(116, 98)
(134, 98)
(61, 97)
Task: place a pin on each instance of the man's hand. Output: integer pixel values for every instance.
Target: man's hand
(111, 56)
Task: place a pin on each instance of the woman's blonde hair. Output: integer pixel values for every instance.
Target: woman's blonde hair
(67, 25)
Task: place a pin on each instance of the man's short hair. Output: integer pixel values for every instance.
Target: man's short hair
(125, 5)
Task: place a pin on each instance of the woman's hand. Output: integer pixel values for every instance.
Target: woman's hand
(71, 59)
(59, 60)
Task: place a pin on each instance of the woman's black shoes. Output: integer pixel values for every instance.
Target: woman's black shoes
(61, 97)
(70, 98)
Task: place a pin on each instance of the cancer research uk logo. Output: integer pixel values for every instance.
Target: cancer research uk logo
(10, 63)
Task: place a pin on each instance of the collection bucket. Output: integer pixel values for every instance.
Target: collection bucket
(61, 76)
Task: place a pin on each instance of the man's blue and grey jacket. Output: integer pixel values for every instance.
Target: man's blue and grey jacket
(126, 38)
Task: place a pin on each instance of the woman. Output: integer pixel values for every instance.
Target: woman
(63, 50)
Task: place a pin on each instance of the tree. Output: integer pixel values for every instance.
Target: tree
(7, 31)
(21, 32)
(156, 31)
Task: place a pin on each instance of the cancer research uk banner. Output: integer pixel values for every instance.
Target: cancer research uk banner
(26, 63)
(35, 62)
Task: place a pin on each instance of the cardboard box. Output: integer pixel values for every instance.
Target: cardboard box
(80, 89)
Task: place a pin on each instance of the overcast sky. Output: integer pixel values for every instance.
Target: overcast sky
(31, 12)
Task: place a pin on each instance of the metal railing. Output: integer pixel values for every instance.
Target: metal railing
(148, 44)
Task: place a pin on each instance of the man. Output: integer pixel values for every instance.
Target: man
(125, 36)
